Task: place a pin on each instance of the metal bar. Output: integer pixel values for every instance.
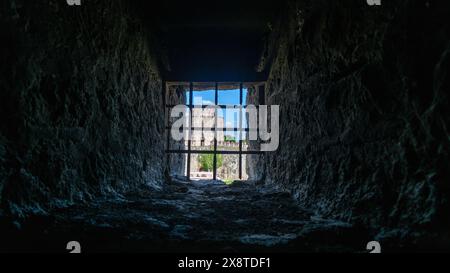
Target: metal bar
(212, 152)
(172, 82)
(191, 98)
(241, 98)
(216, 101)
(223, 106)
(221, 129)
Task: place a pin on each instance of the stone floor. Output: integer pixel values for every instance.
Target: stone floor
(198, 216)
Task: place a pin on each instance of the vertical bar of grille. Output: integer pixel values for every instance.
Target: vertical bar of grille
(241, 98)
(191, 98)
(216, 102)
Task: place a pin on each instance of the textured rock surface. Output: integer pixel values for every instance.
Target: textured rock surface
(255, 169)
(80, 103)
(176, 95)
(364, 119)
(201, 216)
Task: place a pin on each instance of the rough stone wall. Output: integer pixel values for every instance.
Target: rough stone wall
(363, 95)
(176, 95)
(80, 104)
(254, 162)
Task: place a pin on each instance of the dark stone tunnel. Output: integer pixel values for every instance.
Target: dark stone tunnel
(363, 127)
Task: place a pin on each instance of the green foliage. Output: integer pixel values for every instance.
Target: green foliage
(230, 139)
(207, 160)
(228, 181)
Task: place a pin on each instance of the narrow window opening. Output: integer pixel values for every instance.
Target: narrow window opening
(216, 145)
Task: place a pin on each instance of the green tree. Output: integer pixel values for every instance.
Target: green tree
(207, 162)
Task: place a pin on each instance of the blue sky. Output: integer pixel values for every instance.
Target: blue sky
(226, 97)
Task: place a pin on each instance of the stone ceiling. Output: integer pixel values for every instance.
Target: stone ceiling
(214, 41)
